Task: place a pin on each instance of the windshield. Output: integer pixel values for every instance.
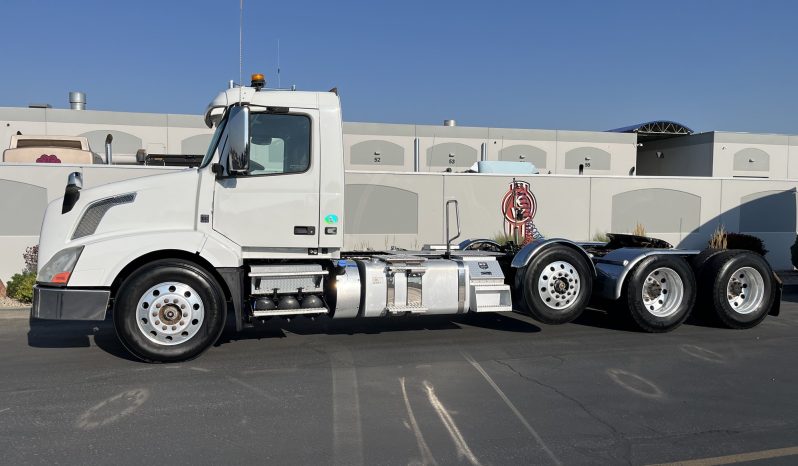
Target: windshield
(214, 142)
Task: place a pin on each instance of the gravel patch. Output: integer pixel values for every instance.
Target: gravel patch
(8, 302)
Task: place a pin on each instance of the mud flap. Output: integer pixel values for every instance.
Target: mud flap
(775, 308)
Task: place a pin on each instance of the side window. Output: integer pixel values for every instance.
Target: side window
(279, 143)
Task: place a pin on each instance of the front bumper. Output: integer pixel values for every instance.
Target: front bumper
(69, 303)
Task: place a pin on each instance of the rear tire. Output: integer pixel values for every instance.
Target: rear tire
(660, 292)
(740, 288)
(169, 310)
(556, 285)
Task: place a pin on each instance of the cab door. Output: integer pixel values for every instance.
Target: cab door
(275, 204)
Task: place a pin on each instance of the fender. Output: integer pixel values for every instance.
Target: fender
(94, 268)
(615, 266)
(534, 248)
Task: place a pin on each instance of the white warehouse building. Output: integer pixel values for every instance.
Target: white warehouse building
(681, 186)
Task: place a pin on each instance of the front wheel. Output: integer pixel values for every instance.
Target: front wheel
(660, 293)
(556, 285)
(168, 311)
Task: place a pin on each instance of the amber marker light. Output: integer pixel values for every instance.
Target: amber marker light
(62, 277)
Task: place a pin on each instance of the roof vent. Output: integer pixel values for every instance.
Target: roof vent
(77, 100)
(449, 123)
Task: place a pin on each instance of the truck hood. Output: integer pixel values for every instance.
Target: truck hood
(164, 202)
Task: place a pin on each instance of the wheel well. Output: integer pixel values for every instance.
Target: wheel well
(170, 254)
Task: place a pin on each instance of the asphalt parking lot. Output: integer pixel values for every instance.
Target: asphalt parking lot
(483, 389)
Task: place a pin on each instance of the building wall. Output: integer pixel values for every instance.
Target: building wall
(679, 156)
(155, 133)
(385, 209)
(750, 155)
(684, 211)
(374, 146)
(792, 157)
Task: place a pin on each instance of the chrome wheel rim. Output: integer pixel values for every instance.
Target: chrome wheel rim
(745, 290)
(663, 292)
(170, 313)
(559, 285)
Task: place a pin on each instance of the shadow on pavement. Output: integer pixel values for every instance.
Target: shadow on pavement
(790, 294)
(605, 318)
(277, 328)
(76, 334)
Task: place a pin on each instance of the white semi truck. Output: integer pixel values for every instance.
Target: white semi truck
(257, 231)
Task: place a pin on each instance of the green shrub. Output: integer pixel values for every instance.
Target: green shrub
(20, 287)
(747, 242)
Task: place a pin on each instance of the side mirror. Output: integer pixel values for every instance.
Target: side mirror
(236, 147)
(72, 191)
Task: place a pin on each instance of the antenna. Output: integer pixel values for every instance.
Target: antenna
(278, 64)
(240, 49)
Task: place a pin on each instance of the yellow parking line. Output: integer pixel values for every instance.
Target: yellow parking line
(739, 458)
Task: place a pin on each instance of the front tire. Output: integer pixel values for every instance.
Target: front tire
(556, 285)
(169, 310)
(660, 292)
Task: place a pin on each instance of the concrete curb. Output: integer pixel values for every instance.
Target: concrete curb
(14, 313)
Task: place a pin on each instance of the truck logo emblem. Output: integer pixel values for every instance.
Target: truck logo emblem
(519, 207)
(331, 219)
(44, 158)
(483, 265)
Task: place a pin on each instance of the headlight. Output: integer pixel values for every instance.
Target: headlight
(60, 267)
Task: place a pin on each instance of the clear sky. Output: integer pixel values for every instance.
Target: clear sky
(591, 65)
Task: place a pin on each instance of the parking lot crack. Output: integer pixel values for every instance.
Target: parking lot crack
(618, 436)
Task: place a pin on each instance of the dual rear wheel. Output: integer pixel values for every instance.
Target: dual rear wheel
(735, 288)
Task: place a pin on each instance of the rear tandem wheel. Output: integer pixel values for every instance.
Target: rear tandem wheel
(556, 285)
(738, 287)
(660, 293)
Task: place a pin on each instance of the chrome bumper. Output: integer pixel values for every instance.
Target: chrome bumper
(69, 303)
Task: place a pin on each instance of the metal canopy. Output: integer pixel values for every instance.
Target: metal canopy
(655, 129)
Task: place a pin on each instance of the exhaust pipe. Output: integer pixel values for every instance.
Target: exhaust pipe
(108, 155)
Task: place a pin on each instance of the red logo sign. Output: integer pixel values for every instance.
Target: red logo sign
(44, 158)
(519, 207)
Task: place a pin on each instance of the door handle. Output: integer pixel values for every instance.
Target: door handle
(304, 230)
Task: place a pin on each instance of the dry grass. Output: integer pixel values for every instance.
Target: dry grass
(639, 230)
(718, 240)
(600, 236)
(503, 238)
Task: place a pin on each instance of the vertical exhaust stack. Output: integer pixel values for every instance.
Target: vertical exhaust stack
(108, 155)
(77, 100)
